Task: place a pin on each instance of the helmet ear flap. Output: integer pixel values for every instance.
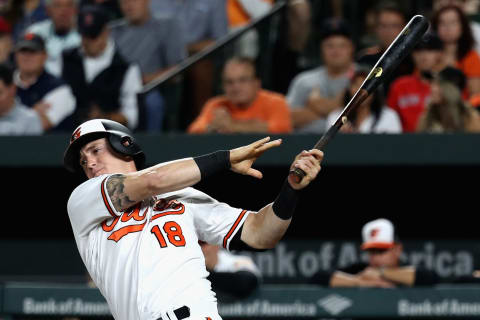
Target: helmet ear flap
(126, 141)
(123, 143)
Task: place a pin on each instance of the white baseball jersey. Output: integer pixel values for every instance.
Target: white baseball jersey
(147, 261)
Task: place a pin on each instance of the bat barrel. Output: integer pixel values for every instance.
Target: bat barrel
(403, 44)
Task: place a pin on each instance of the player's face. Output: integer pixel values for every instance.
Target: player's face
(385, 258)
(97, 158)
(449, 26)
(29, 61)
(240, 84)
(337, 51)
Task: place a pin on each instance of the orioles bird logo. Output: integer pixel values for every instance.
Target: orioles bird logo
(75, 135)
(374, 233)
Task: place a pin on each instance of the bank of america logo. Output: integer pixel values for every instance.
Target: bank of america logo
(334, 304)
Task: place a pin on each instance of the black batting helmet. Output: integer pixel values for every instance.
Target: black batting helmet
(119, 137)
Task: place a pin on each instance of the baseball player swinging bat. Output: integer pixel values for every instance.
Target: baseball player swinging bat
(391, 58)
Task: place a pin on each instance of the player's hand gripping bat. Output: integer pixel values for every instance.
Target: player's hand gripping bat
(391, 58)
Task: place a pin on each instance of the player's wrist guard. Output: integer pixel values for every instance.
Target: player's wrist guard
(213, 163)
(286, 202)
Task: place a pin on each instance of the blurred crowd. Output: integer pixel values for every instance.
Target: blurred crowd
(66, 61)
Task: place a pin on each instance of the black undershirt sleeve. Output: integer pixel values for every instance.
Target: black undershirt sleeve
(237, 244)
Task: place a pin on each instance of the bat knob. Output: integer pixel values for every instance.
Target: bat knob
(297, 175)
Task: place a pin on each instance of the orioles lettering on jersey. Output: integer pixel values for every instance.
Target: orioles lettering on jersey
(162, 207)
(133, 213)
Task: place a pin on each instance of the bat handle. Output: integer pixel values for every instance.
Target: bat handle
(297, 175)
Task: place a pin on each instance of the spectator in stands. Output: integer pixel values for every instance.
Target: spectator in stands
(466, 6)
(372, 116)
(390, 21)
(112, 7)
(230, 273)
(104, 84)
(240, 13)
(25, 13)
(15, 118)
(447, 111)
(313, 94)
(383, 269)
(408, 95)
(59, 32)
(6, 42)
(204, 22)
(156, 44)
(292, 39)
(454, 30)
(48, 95)
(245, 107)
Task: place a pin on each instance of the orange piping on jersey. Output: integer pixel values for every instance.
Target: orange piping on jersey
(120, 233)
(166, 213)
(229, 234)
(105, 200)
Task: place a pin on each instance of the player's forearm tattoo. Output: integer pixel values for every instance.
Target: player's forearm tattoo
(115, 189)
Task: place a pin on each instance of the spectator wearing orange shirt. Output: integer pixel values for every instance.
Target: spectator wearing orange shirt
(453, 28)
(245, 107)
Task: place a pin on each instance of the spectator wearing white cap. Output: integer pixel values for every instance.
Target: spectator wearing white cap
(384, 269)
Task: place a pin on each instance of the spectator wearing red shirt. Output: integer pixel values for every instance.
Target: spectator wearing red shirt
(409, 95)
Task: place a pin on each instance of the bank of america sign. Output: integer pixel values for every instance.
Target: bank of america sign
(335, 304)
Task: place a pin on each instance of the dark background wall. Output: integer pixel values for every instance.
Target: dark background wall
(426, 184)
(423, 201)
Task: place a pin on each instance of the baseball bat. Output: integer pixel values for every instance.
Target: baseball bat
(390, 59)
